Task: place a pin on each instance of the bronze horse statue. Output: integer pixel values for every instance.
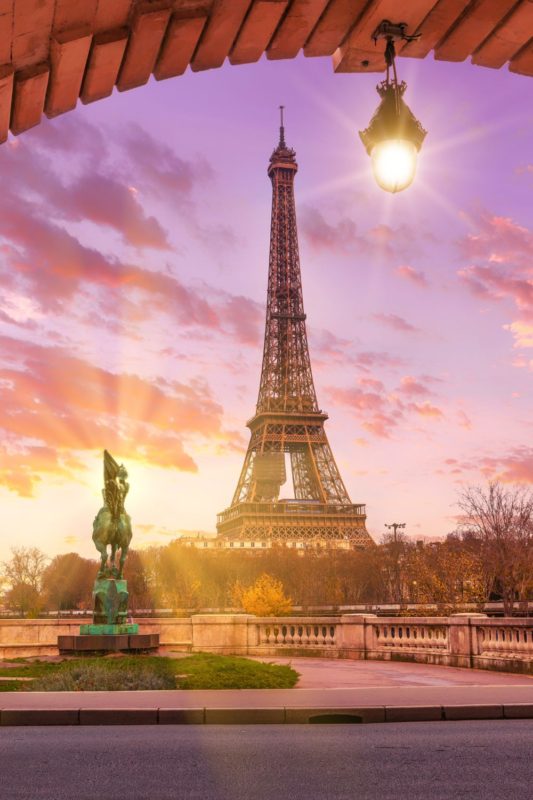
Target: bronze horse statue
(112, 525)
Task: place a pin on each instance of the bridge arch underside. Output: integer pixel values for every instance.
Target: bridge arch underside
(54, 52)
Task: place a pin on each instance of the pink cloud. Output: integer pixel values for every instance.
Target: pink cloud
(45, 260)
(464, 420)
(327, 349)
(343, 236)
(160, 170)
(53, 403)
(104, 198)
(380, 425)
(322, 235)
(527, 169)
(108, 202)
(411, 274)
(382, 412)
(499, 240)
(244, 319)
(522, 331)
(55, 266)
(493, 283)
(371, 383)
(356, 399)
(369, 360)
(46, 263)
(516, 467)
(411, 386)
(110, 181)
(427, 410)
(396, 323)
(501, 267)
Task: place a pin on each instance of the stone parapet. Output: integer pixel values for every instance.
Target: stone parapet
(471, 640)
(221, 633)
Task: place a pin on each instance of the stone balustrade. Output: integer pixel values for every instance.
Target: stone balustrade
(505, 641)
(462, 640)
(410, 636)
(291, 632)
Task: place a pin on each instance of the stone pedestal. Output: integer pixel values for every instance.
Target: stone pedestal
(110, 631)
(91, 644)
(110, 597)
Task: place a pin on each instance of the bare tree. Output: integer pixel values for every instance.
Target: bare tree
(395, 547)
(23, 574)
(502, 518)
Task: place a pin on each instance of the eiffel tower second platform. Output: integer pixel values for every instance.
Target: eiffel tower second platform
(287, 418)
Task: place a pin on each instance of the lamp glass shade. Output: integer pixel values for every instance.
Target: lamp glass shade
(394, 163)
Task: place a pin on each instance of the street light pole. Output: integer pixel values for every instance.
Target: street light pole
(394, 526)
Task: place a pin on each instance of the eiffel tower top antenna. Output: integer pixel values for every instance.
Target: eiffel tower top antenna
(281, 128)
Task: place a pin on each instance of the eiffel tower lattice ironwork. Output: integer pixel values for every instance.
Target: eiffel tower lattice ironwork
(287, 417)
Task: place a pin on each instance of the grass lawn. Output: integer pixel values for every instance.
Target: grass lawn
(112, 673)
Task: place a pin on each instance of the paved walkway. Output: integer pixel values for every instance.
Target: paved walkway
(323, 673)
(323, 684)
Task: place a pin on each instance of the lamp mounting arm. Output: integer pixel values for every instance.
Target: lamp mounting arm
(394, 32)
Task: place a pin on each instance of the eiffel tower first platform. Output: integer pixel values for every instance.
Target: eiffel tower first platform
(287, 418)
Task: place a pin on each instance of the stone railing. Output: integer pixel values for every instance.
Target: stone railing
(411, 636)
(292, 632)
(462, 640)
(510, 640)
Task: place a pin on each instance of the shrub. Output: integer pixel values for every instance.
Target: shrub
(91, 677)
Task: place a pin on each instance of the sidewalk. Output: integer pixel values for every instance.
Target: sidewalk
(357, 691)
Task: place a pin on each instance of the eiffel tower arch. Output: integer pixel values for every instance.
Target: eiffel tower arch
(287, 417)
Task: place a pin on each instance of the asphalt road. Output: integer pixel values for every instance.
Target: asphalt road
(488, 760)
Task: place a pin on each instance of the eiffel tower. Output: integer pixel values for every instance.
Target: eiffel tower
(287, 417)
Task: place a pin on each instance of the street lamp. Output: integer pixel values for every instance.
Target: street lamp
(394, 136)
(394, 526)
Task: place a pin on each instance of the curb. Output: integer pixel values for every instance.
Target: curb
(261, 716)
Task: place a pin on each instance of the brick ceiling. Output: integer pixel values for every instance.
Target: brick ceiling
(53, 52)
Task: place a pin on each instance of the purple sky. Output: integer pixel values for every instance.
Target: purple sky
(134, 237)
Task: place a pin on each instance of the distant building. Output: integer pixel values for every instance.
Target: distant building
(219, 543)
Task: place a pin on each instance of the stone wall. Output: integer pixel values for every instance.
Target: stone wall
(462, 640)
(38, 637)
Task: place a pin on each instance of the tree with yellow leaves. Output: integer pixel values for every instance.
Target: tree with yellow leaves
(264, 598)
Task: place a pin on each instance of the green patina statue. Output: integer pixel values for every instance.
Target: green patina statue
(111, 528)
(112, 525)
(110, 630)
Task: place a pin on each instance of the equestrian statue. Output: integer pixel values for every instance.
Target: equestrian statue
(112, 525)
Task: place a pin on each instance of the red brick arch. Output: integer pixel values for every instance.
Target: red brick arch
(54, 52)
